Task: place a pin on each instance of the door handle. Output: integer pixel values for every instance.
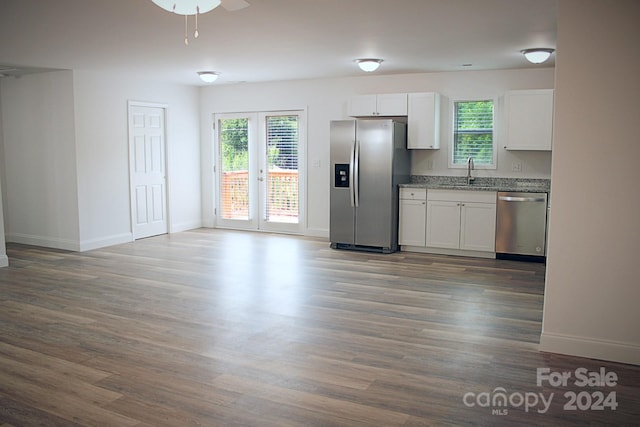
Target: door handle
(352, 161)
(356, 178)
(521, 199)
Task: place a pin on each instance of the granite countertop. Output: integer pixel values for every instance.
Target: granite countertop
(523, 185)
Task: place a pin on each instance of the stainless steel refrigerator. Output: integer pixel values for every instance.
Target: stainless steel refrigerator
(369, 158)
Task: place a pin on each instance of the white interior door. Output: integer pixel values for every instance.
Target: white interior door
(147, 170)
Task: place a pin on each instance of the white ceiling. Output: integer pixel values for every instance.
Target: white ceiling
(275, 39)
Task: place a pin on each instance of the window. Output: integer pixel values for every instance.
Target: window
(473, 133)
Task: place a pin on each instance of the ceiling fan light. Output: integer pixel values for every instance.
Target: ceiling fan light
(187, 7)
(208, 76)
(369, 64)
(537, 55)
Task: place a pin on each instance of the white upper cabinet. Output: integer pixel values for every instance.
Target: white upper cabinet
(529, 119)
(423, 121)
(388, 104)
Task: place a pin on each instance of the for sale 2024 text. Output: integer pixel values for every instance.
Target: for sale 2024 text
(585, 400)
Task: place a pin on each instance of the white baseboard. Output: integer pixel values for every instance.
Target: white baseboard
(443, 251)
(317, 232)
(44, 241)
(185, 226)
(209, 223)
(613, 351)
(102, 242)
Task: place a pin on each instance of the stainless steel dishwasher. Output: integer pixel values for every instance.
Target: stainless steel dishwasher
(521, 224)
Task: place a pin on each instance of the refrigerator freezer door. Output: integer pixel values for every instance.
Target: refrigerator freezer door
(374, 156)
(342, 211)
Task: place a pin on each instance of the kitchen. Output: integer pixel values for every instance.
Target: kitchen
(456, 221)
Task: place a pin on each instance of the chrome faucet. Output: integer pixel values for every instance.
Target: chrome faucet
(470, 167)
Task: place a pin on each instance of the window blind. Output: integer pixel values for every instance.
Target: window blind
(473, 132)
(282, 160)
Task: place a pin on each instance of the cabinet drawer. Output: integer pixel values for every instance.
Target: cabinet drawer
(471, 196)
(413, 194)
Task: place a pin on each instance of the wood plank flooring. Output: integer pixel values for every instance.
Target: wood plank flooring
(227, 328)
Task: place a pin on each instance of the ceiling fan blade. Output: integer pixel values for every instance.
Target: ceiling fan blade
(233, 5)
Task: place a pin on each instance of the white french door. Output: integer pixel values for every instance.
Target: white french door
(147, 170)
(258, 171)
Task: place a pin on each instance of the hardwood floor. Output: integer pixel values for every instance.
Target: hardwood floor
(225, 328)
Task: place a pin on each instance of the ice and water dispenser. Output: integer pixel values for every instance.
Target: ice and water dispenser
(341, 179)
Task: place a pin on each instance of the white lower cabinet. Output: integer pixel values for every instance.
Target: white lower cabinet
(413, 214)
(443, 224)
(461, 220)
(478, 227)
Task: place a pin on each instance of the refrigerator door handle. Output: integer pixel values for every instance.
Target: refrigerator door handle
(356, 178)
(352, 161)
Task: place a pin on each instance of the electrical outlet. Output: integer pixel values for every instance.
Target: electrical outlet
(516, 167)
(430, 164)
(316, 163)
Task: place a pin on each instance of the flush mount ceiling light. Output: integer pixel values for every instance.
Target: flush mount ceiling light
(537, 55)
(208, 76)
(369, 64)
(197, 7)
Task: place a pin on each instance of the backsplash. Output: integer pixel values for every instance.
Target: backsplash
(543, 184)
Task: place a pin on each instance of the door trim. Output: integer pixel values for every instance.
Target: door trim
(165, 108)
(257, 129)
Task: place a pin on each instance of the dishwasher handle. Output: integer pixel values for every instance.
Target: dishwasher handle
(521, 199)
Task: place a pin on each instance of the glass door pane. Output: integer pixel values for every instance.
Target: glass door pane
(281, 203)
(234, 141)
(236, 181)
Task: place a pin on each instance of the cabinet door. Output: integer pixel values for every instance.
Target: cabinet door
(363, 105)
(392, 104)
(423, 121)
(529, 119)
(443, 224)
(412, 225)
(478, 227)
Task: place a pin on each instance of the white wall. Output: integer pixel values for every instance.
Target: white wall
(593, 285)
(66, 157)
(327, 100)
(39, 160)
(103, 154)
(4, 261)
